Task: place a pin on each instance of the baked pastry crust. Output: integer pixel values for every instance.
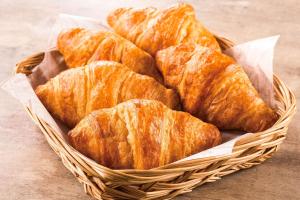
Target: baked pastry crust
(74, 93)
(81, 46)
(152, 29)
(213, 87)
(141, 134)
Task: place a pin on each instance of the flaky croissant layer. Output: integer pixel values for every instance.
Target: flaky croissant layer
(141, 134)
(76, 92)
(152, 29)
(213, 87)
(81, 46)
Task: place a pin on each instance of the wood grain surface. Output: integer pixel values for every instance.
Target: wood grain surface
(30, 170)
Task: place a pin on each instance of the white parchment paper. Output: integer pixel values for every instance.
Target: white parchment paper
(255, 56)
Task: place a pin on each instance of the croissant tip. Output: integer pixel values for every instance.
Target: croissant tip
(65, 36)
(69, 31)
(113, 16)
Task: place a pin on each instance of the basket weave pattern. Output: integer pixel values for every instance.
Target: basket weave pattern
(174, 179)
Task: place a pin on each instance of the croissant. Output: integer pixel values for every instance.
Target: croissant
(152, 29)
(76, 92)
(81, 46)
(213, 87)
(141, 134)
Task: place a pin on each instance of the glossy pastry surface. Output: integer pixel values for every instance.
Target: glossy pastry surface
(81, 46)
(141, 134)
(213, 87)
(152, 29)
(74, 93)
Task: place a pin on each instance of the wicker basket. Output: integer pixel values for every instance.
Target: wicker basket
(174, 179)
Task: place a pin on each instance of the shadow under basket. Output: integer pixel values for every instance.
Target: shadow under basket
(174, 179)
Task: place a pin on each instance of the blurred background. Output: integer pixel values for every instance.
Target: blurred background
(29, 169)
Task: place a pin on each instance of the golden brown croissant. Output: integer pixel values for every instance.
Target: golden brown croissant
(81, 46)
(213, 87)
(76, 92)
(152, 29)
(141, 134)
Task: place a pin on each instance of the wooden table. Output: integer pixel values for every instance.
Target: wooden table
(29, 169)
